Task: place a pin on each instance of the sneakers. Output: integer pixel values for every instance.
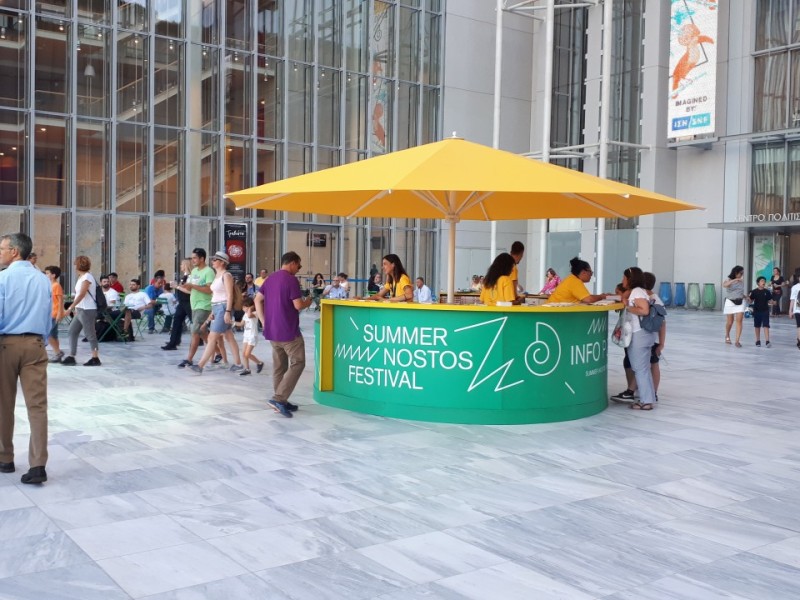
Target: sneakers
(196, 368)
(280, 407)
(185, 363)
(169, 347)
(223, 366)
(35, 475)
(244, 372)
(259, 367)
(768, 345)
(57, 357)
(217, 359)
(69, 361)
(758, 343)
(626, 396)
(92, 362)
(291, 407)
(237, 368)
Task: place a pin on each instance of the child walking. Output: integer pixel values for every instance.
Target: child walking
(761, 299)
(250, 338)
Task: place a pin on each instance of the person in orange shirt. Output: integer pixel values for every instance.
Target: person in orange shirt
(54, 273)
(497, 284)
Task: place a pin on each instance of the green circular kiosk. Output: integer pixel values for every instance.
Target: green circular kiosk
(463, 364)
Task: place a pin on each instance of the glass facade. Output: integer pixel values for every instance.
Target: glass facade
(124, 122)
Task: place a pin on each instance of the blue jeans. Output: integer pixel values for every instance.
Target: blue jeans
(639, 355)
(150, 313)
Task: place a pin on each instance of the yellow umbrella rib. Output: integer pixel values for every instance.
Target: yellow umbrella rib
(377, 196)
(594, 204)
(261, 201)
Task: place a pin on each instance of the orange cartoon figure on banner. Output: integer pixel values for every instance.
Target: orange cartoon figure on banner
(691, 38)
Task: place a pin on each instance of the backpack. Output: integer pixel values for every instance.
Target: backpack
(99, 298)
(654, 319)
(237, 296)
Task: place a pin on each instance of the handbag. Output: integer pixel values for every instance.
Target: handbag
(622, 333)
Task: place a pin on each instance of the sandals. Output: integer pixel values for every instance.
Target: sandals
(640, 406)
(738, 345)
(727, 340)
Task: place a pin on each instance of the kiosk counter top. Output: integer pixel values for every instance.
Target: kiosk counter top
(463, 363)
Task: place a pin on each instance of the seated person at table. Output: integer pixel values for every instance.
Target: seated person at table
(154, 290)
(136, 302)
(398, 286)
(475, 286)
(344, 282)
(551, 282)
(375, 283)
(112, 295)
(335, 291)
(169, 305)
(497, 284)
(573, 288)
(422, 293)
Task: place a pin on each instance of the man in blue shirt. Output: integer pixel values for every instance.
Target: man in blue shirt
(154, 290)
(25, 306)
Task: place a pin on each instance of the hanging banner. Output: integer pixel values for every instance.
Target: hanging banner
(235, 237)
(692, 67)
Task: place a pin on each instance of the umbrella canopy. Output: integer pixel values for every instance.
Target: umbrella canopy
(455, 180)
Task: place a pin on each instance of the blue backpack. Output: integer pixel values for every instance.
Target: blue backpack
(653, 320)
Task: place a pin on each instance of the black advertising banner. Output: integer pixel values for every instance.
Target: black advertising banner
(235, 236)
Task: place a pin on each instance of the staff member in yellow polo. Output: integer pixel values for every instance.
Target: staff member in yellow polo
(398, 283)
(497, 284)
(573, 287)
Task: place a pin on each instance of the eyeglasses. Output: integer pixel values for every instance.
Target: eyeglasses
(589, 271)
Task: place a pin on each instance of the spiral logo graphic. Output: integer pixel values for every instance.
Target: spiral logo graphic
(544, 353)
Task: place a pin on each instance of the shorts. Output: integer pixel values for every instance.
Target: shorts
(199, 316)
(53, 329)
(797, 318)
(250, 340)
(654, 358)
(761, 319)
(218, 324)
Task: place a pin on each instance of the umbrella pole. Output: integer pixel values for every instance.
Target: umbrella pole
(451, 260)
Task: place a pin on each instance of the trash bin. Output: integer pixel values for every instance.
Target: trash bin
(709, 296)
(665, 293)
(693, 296)
(680, 294)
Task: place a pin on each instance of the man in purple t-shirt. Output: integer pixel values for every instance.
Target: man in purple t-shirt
(278, 305)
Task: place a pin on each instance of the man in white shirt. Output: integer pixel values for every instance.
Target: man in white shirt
(422, 293)
(136, 302)
(335, 291)
(794, 308)
(112, 295)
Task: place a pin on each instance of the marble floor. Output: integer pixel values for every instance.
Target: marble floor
(171, 486)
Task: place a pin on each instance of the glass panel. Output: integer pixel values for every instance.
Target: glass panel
(131, 192)
(91, 232)
(131, 77)
(427, 261)
(353, 242)
(356, 35)
(209, 88)
(269, 26)
(202, 193)
(50, 238)
(237, 169)
(21, 4)
(166, 235)
(328, 106)
(56, 7)
(49, 165)
(793, 201)
(268, 246)
(326, 158)
(268, 111)
(201, 235)
(169, 17)
(794, 76)
(237, 31)
(355, 117)
(204, 21)
(12, 220)
(268, 168)
(237, 93)
(168, 83)
(13, 57)
(769, 179)
(414, 3)
(130, 247)
(769, 111)
(52, 62)
(379, 243)
(167, 180)
(408, 105)
(329, 32)
(12, 159)
(300, 110)
(92, 74)
(132, 14)
(430, 116)
(95, 11)
(380, 139)
(299, 34)
(299, 163)
(409, 45)
(772, 23)
(91, 160)
(382, 40)
(431, 56)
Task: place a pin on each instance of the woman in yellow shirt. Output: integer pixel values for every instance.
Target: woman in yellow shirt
(398, 283)
(497, 284)
(573, 288)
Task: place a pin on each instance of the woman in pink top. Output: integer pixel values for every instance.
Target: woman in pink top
(551, 282)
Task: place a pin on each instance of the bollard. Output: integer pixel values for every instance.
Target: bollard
(665, 293)
(680, 294)
(709, 296)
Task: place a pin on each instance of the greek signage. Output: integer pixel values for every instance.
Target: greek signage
(461, 361)
(768, 218)
(692, 67)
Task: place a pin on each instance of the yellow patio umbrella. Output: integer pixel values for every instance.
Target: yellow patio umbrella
(455, 180)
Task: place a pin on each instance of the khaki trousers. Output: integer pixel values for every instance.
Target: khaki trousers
(288, 362)
(23, 357)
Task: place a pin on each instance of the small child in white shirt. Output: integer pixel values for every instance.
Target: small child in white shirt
(250, 339)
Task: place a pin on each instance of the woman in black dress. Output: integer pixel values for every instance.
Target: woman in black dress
(777, 290)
